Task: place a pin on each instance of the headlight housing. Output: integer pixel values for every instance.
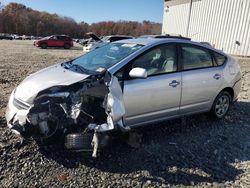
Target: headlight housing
(57, 96)
(19, 104)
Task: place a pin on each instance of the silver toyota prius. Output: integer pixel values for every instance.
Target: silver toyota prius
(120, 86)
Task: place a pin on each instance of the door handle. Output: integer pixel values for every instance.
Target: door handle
(174, 83)
(217, 76)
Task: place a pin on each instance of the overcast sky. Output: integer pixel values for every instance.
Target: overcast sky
(100, 10)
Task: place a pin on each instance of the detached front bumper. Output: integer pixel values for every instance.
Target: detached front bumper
(13, 114)
(237, 89)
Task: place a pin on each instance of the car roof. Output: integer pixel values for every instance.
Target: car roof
(142, 41)
(152, 41)
(149, 41)
(125, 36)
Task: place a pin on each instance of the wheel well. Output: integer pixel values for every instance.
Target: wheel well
(230, 91)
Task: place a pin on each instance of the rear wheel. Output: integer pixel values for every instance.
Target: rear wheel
(43, 45)
(221, 105)
(66, 46)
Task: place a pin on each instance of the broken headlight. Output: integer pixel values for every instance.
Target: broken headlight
(21, 105)
(59, 94)
(56, 97)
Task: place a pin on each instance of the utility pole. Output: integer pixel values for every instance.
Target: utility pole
(189, 17)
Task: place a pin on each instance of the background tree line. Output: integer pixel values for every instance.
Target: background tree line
(18, 19)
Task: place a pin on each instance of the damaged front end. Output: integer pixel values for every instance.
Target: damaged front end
(87, 109)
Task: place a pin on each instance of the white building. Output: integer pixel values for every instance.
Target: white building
(223, 23)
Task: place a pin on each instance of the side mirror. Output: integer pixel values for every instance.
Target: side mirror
(138, 73)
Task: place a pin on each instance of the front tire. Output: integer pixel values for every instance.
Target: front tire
(43, 45)
(221, 105)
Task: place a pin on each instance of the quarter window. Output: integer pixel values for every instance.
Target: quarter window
(194, 58)
(159, 60)
(61, 37)
(220, 59)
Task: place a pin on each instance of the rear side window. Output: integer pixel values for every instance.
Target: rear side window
(61, 38)
(219, 59)
(195, 57)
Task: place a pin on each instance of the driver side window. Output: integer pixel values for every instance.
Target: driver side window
(159, 60)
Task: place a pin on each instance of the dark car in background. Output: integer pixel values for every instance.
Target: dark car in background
(54, 41)
(26, 37)
(4, 36)
(17, 37)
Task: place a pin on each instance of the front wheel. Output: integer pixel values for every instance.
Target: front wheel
(221, 105)
(43, 45)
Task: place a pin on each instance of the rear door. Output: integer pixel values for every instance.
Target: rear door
(201, 80)
(158, 96)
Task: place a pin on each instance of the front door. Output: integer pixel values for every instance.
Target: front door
(158, 96)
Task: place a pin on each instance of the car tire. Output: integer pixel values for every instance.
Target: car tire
(66, 46)
(221, 105)
(83, 141)
(43, 45)
(78, 141)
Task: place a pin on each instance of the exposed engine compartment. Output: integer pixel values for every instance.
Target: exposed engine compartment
(93, 106)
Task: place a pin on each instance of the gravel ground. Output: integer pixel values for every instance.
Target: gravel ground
(200, 152)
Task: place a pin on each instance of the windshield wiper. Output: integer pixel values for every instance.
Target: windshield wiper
(67, 65)
(79, 68)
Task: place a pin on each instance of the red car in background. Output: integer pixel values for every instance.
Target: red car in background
(54, 41)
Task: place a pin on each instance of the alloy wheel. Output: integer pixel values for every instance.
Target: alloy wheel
(222, 105)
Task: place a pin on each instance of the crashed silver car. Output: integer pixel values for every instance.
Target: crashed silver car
(122, 85)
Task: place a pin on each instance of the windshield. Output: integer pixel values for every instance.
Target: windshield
(105, 57)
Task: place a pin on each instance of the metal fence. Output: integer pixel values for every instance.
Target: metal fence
(223, 23)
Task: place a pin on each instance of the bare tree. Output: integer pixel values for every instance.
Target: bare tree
(1, 5)
(17, 18)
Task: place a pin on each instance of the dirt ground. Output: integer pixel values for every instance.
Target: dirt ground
(202, 152)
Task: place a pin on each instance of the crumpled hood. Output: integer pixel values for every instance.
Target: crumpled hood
(55, 75)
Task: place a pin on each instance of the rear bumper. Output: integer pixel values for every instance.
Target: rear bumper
(237, 89)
